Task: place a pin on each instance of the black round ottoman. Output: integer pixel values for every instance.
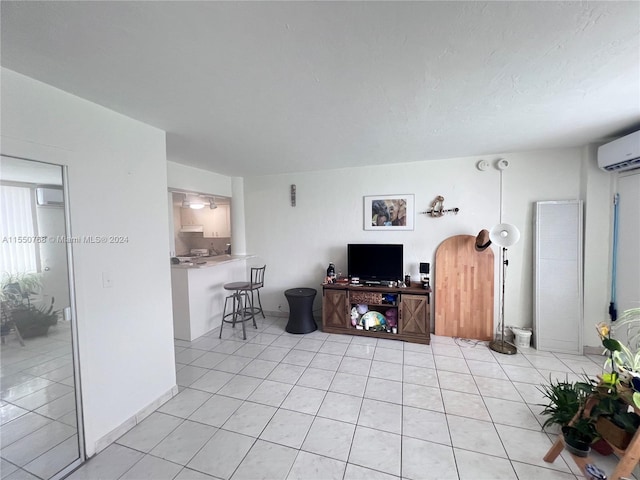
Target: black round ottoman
(301, 310)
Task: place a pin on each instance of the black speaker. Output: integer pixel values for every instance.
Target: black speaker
(424, 267)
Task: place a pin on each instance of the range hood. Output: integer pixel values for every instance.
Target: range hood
(192, 229)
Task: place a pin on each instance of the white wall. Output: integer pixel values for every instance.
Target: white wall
(297, 243)
(117, 186)
(597, 194)
(628, 265)
(194, 179)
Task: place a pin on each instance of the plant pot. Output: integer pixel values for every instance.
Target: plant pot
(32, 322)
(602, 447)
(615, 435)
(577, 447)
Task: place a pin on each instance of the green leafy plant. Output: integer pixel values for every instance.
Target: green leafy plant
(565, 400)
(582, 431)
(630, 320)
(621, 355)
(612, 406)
(566, 408)
(30, 319)
(16, 288)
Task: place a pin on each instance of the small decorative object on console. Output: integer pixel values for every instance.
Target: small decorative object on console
(331, 273)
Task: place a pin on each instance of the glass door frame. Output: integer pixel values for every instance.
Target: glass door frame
(70, 315)
(74, 330)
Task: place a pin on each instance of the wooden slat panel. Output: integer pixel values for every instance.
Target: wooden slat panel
(464, 289)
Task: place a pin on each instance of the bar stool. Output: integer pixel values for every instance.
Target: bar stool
(243, 310)
(257, 282)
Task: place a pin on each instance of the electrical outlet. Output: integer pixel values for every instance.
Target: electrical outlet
(107, 281)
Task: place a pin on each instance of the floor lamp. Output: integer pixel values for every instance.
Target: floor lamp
(504, 235)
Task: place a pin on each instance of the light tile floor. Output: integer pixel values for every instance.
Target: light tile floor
(38, 433)
(323, 406)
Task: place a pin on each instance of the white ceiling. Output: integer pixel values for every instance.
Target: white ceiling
(251, 88)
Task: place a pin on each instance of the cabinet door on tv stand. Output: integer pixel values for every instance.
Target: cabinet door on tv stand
(414, 315)
(334, 309)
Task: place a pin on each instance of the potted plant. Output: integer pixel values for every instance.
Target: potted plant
(16, 288)
(579, 436)
(615, 423)
(30, 319)
(566, 408)
(623, 360)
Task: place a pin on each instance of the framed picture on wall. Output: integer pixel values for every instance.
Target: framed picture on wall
(389, 212)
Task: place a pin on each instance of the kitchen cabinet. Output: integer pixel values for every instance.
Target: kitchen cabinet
(216, 223)
(188, 216)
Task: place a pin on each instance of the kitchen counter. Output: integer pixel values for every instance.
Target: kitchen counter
(198, 293)
(212, 261)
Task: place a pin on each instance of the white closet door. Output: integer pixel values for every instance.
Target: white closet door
(558, 277)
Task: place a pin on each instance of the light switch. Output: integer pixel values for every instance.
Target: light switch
(107, 281)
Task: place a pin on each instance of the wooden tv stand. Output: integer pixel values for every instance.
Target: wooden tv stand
(411, 303)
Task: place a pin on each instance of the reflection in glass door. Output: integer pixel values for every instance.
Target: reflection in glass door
(40, 415)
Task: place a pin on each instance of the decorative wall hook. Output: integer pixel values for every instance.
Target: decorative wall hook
(437, 208)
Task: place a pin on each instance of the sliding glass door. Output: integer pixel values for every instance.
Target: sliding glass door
(40, 410)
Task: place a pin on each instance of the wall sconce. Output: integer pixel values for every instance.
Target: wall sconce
(437, 208)
(293, 195)
(212, 203)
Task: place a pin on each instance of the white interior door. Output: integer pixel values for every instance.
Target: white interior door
(53, 255)
(558, 286)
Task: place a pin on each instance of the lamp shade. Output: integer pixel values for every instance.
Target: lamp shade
(504, 235)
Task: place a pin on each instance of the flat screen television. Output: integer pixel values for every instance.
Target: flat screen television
(374, 263)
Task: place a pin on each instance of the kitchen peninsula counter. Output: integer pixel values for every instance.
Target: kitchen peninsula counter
(198, 294)
(213, 261)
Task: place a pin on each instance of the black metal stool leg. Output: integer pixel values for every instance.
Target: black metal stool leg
(224, 315)
(260, 303)
(253, 312)
(242, 311)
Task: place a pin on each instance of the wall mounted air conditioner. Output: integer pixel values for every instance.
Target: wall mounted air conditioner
(50, 196)
(621, 154)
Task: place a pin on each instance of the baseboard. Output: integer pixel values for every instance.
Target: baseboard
(131, 422)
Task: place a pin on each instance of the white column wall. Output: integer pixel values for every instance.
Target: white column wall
(238, 227)
(117, 186)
